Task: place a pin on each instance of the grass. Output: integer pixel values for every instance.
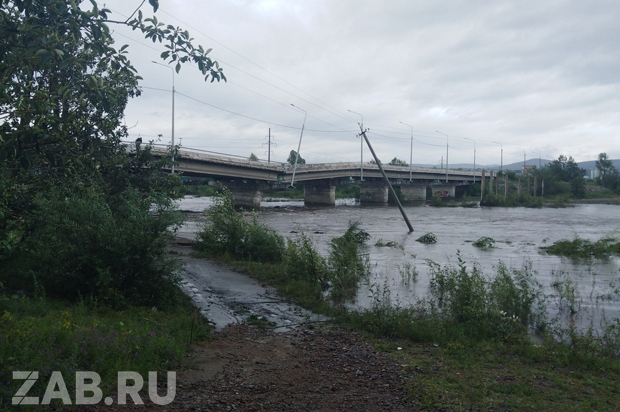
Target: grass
(460, 377)
(48, 335)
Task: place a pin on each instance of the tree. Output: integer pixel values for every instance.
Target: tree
(292, 156)
(563, 175)
(65, 176)
(253, 157)
(566, 169)
(398, 162)
(608, 175)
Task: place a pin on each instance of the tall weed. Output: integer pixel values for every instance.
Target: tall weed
(227, 232)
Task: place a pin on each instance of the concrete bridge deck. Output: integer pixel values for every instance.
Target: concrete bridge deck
(248, 179)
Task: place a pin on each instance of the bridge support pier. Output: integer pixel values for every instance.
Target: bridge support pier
(444, 190)
(246, 198)
(373, 192)
(413, 192)
(321, 193)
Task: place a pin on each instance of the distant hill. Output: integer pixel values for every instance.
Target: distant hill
(588, 165)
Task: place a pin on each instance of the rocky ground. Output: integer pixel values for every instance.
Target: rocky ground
(251, 369)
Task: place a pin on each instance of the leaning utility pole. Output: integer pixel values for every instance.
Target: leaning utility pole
(363, 134)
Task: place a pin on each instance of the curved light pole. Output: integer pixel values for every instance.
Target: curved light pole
(361, 147)
(410, 153)
(446, 153)
(168, 67)
(501, 164)
(298, 146)
(472, 140)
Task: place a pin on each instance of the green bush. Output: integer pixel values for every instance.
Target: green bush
(81, 247)
(304, 263)
(227, 232)
(348, 266)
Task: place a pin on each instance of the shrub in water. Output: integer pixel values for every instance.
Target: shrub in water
(348, 265)
(484, 243)
(427, 239)
(227, 232)
(304, 263)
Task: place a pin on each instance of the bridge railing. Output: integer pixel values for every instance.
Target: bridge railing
(199, 154)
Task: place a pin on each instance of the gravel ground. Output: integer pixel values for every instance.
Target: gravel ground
(251, 369)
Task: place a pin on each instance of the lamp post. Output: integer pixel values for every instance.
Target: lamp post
(410, 153)
(168, 67)
(299, 145)
(446, 153)
(472, 140)
(361, 147)
(501, 157)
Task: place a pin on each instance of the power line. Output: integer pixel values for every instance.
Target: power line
(336, 111)
(261, 120)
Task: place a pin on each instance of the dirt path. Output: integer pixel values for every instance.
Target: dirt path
(295, 366)
(250, 369)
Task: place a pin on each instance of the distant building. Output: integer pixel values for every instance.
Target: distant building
(593, 173)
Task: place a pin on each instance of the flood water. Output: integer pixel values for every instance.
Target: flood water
(518, 235)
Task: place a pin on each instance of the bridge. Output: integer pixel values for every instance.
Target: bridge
(248, 179)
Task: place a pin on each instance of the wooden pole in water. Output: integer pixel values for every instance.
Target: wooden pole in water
(402, 211)
(527, 189)
(482, 179)
(496, 183)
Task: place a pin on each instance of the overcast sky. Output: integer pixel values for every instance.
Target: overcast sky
(540, 78)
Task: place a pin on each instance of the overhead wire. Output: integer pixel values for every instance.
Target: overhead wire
(247, 89)
(337, 112)
(229, 65)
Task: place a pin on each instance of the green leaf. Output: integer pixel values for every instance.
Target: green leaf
(155, 4)
(178, 67)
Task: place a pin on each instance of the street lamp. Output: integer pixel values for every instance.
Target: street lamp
(361, 147)
(168, 67)
(501, 164)
(298, 146)
(446, 153)
(472, 140)
(411, 153)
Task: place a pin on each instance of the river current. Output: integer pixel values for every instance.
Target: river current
(518, 233)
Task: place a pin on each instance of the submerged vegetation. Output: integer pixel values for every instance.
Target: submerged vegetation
(230, 234)
(484, 242)
(427, 239)
(580, 248)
